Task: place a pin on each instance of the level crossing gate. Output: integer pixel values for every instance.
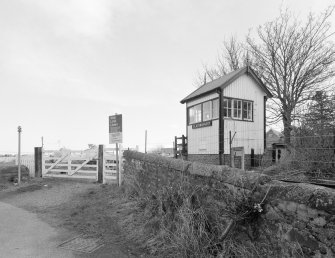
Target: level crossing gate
(83, 164)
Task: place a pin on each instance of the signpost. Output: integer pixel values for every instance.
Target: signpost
(115, 136)
(19, 130)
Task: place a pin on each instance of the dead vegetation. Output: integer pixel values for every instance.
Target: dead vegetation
(188, 220)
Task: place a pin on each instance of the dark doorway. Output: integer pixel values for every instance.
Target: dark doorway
(252, 157)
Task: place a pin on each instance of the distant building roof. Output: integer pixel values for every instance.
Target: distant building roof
(224, 81)
(167, 150)
(275, 132)
(274, 137)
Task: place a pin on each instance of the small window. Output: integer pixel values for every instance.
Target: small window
(227, 107)
(237, 110)
(207, 110)
(194, 114)
(215, 106)
(247, 110)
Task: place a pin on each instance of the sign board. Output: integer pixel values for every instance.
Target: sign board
(202, 124)
(115, 129)
(238, 151)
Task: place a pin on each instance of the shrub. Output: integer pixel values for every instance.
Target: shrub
(191, 220)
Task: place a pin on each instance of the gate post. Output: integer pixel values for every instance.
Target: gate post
(100, 163)
(38, 161)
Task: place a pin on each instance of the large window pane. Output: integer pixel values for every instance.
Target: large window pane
(215, 105)
(247, 110)
(237, 109)
(227, 108)
(194, 114)
(207, 110)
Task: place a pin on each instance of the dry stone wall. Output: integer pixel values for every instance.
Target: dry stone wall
(299, 213)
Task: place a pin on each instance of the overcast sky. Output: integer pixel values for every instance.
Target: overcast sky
(66, 65)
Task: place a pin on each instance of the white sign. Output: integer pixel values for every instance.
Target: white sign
(115, 137)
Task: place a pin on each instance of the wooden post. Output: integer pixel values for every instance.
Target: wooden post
(232, 160)
(183, 145)
(242, 159)
(19, 130)
(175, 147)
(38, 161)
(117, 165)
(100, 163)
(120, 166)
(174, 153)
(221, 128)
(252, 159)
(145, 143)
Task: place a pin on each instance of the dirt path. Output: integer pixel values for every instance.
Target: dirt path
(22, 234)
(55, 207)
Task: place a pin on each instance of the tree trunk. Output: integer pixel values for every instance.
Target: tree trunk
(287, 120)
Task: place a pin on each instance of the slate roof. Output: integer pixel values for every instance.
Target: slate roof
(223, 82)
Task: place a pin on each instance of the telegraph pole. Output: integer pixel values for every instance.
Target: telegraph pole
(19, 130)
(145, 145)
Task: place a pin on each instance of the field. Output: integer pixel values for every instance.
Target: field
(7, 161)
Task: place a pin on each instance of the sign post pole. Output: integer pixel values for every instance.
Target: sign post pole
(117, 165)
(115, 136)
(145, 142)
(19, 129)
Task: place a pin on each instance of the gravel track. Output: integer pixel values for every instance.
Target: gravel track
(54, 201)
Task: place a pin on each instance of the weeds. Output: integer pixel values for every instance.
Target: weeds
(191, 220)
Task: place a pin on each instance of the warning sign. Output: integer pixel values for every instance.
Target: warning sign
(115, 129)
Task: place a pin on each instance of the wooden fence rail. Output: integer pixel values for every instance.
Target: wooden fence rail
(83, 165)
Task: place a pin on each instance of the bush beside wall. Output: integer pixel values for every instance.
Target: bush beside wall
(285, 219)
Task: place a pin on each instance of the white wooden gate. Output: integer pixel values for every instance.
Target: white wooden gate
(80, 164)
(109, 166)
(29, 162)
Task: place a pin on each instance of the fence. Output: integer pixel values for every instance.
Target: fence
(29, 162)
(83, 164)
(308, 157)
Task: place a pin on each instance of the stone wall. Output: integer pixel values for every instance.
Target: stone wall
(214, 159)
(299, 213)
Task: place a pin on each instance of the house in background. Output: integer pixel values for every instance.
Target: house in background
(273, 136)
(166, 152)
(275, 145)
(224, 114)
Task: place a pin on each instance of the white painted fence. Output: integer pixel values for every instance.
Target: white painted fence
(109, 165)
(81, 164)
(29, 162)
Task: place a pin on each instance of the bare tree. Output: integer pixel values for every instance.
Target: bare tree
(233, 56)
(294, 59)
